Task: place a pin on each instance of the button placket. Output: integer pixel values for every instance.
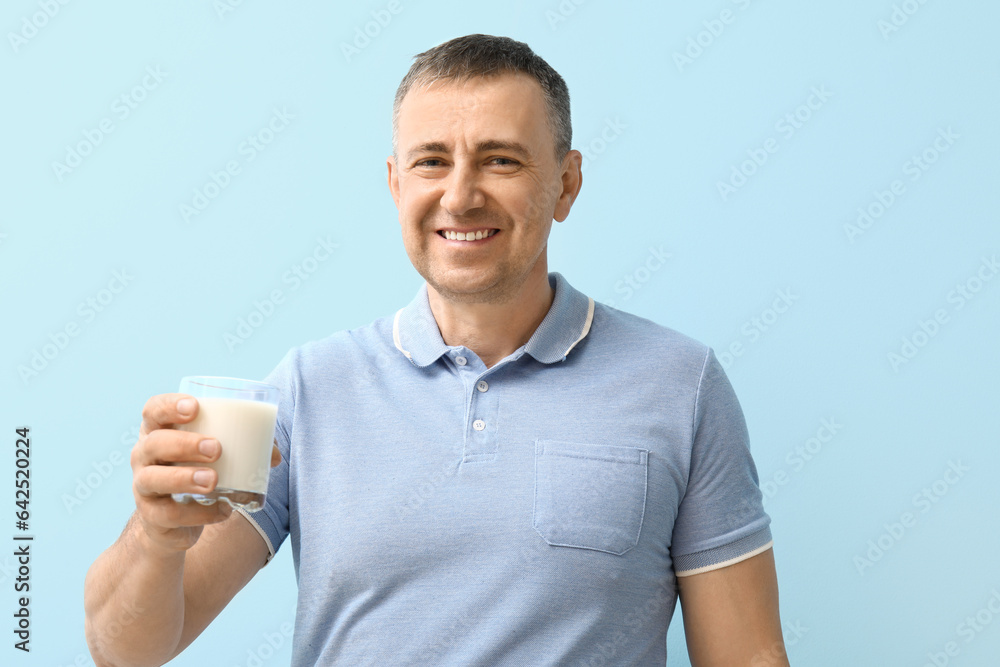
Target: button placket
(482, 431)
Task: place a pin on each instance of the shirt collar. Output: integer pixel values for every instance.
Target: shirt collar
(415, 332)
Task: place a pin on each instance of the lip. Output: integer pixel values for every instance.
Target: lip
(465, 229)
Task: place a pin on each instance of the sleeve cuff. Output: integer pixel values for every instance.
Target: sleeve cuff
(725, 555)
(263, 534)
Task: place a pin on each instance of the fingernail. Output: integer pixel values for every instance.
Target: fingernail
(185, 406)
(202, 478)
(208, 447)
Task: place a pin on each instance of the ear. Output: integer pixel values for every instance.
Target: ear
(393, 179)
(572, 181)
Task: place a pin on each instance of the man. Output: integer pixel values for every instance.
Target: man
(503, 473)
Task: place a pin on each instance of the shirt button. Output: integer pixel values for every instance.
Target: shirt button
(461, 361)
(482, 385)
(479, 424)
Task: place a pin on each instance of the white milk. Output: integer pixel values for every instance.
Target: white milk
(245, 429)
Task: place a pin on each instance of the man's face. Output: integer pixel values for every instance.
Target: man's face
(477, 158)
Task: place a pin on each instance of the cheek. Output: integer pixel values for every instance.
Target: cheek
(414, 203)
(538, 209)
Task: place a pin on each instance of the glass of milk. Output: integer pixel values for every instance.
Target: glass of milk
(241, 415)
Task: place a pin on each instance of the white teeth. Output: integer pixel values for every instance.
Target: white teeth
(468, 236)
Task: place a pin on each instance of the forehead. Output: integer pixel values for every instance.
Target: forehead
(510, 106)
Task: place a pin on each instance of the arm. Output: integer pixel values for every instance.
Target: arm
(731, 615)
(174, 567)
(144, 606)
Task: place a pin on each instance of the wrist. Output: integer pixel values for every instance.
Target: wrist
(147, 546)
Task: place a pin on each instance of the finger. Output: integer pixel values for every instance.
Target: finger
(170, 446)
(165, 410)
(165, 513)
(275, 455)
(152, 481)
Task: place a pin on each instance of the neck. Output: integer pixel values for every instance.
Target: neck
(494, 330)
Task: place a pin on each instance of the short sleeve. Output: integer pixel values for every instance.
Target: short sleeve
(721, 518)
(271, 521)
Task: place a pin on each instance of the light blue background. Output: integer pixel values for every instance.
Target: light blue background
(654, 184)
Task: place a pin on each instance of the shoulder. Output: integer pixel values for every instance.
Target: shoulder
(628, 335)
(369, 344)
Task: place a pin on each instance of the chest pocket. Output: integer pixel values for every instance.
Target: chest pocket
(589, 496)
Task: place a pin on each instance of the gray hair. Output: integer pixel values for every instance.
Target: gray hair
(464, 58)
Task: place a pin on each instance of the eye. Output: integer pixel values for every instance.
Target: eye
(503, 165)
(429, 162)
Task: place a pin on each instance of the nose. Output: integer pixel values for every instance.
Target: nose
(462, 191)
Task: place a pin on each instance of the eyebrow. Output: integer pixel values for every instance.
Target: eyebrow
(481, 147)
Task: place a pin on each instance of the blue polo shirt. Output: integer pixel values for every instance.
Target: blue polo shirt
(534, 513)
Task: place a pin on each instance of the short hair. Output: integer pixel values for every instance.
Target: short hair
(464, 58)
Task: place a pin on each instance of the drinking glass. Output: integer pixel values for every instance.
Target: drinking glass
(241, 415)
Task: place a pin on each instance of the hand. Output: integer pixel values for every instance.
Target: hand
(170, 525)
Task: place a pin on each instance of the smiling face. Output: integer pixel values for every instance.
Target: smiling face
(477, 185)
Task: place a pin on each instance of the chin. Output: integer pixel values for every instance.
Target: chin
(478, 288)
